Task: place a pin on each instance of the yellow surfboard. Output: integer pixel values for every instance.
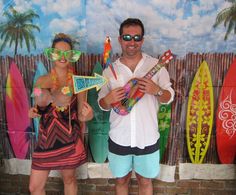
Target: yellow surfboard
(200, 114)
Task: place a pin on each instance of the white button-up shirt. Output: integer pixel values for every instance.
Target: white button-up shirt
(140, 127)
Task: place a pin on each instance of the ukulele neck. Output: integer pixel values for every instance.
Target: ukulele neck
(153, 71)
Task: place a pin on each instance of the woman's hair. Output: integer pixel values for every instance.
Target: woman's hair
(62, 37)
(131, 22)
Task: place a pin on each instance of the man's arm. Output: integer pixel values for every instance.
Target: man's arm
(162, 95)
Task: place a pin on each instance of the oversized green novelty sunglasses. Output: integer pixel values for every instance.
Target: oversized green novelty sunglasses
(56, 54)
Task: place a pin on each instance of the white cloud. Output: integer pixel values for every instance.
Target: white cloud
(157, 26)
(200, 26)
(207, 5)
(67, 25)
(100, 25)
(165, 6)
(61, 7)
(22, 5)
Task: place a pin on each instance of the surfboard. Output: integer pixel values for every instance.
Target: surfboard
(40, 70)
(200, 114)
(99, 126)
(164, 122)
(226, 118)
(17, 106)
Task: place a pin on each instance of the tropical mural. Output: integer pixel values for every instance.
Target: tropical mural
(182, 25)
(201, 35)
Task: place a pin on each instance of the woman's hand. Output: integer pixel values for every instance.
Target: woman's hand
(33, 113)
(86, 112)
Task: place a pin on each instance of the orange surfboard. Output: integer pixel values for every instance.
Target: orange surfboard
(226, 118)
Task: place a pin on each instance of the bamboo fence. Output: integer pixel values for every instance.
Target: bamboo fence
(182, 72)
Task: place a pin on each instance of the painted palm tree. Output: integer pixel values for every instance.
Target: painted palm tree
(228, 16)
(17, 28)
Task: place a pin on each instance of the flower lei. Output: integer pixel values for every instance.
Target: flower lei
(66, 90)
(37, 91)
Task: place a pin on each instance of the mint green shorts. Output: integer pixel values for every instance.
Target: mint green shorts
(147, 165)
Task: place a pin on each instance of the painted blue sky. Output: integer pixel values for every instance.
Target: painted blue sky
(180, 25)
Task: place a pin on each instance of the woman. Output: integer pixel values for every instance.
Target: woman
(59, 145)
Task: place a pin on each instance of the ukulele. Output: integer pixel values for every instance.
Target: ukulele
(133, 93)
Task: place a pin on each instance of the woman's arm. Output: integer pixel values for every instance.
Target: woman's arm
(41, 92)
(85, 111)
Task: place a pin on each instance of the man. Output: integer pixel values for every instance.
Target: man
(133, 138)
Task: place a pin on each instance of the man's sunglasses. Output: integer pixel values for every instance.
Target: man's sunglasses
(56, 54)
(128, 37)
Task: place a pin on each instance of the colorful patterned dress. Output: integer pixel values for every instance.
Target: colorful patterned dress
(59, 146)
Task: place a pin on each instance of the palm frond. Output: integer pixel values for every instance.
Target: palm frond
(231, 1)
(21, 38)
(221, 16)
(5, 41)
(229, 29)
(228, 17)
(3, 45)
(19, 28)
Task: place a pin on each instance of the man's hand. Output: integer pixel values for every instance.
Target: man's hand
(113, 96)
(148, 86)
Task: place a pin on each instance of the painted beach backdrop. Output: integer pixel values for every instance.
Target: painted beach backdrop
(192, 29)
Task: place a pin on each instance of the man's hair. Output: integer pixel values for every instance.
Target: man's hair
(62, 37)
(131, 22)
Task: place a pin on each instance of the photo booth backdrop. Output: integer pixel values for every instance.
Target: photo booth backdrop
(183, 26)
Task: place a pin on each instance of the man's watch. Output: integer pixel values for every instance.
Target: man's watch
(159, 93)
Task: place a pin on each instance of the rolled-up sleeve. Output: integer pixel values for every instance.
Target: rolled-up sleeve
(164, 83)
